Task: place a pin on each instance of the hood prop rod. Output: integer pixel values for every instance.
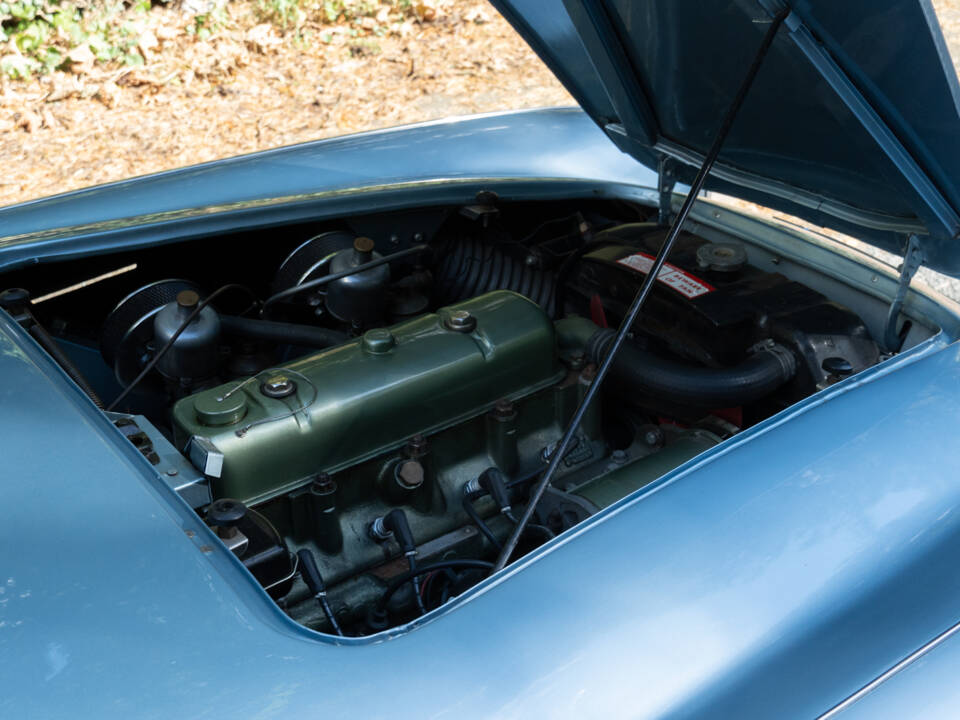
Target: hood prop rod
(633, 312)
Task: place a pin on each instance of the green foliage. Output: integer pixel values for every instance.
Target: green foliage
(41, 36)
(42, 33)
(292, 14)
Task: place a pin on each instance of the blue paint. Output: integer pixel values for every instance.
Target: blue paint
(662, 74)
(432, 163)
(753, 579)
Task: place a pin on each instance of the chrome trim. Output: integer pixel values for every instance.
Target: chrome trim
(890, 672)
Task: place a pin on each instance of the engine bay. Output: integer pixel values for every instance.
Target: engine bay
(359, 408)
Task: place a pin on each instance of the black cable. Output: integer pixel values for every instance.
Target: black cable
(542, 529)
(415, 583)
(296, 289)
(532, 475)
(476, 519)
(403, 578)
(314, 582)
(173, 338)
(634, 311)
(567, 265)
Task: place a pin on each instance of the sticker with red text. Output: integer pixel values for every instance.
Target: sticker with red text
(683, 282)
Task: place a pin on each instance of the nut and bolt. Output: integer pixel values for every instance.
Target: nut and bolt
(504, 409)
(653, 437)
(416, 447)
(461, 321)
(323, 484)
(619, 457)
(588, 374)
(576, 362)
(409, 474)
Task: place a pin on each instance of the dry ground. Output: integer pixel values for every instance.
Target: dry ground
(249, 89)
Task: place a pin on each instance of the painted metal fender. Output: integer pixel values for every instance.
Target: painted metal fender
(771, 576)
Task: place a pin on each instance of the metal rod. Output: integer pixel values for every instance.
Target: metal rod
(634, 311)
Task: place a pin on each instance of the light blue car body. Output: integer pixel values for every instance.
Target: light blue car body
(773, 576)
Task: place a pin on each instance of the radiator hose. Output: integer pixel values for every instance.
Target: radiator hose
(768, 367)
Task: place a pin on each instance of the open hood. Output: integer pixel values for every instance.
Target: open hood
(853, 122)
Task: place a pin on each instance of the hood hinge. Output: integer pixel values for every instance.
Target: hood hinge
(912, 260)
(666, 180)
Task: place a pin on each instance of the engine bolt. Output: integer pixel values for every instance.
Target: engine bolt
(323, 484)
(576, 362)
(461, 321)
(588, 373)
(417, 447)
(504, 409)
(653, 437)
(409, 474)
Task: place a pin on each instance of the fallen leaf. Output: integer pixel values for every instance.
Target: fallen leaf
(108, 94)
(81, 60)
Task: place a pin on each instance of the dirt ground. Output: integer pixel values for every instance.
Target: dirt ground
(250, 89)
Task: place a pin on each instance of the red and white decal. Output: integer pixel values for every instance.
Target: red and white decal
(683, 282)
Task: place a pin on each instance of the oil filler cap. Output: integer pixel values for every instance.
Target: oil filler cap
(278, 386)
(214, 408)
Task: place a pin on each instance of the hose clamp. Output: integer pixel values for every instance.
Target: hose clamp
(786, 358)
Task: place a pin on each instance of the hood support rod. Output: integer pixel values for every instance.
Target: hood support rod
(941, 211)
(560, 451)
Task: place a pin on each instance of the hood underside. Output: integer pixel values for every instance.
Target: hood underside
(852, 122)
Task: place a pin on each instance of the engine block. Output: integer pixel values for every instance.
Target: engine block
(337, 408)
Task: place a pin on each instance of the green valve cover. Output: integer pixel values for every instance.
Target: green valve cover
(338, 407)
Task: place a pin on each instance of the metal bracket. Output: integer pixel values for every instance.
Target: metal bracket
(912, 260)
(666, 180)
(941, 212)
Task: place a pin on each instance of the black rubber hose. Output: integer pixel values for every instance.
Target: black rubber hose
(644, 373)
(281, 332)
(399, 580)
(470, 267)
(47, 342)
